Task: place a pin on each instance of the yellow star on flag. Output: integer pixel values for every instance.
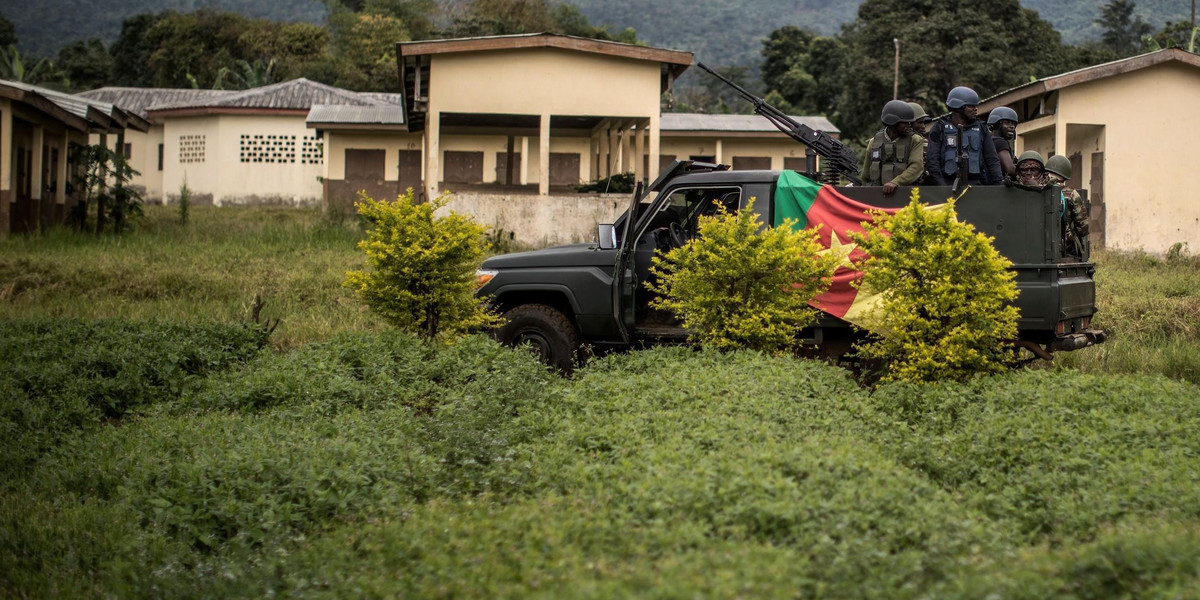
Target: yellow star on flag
(840, 251)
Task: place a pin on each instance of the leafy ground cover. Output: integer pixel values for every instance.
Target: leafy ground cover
(167, 450)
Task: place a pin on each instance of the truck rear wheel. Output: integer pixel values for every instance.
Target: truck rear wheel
(548, 332)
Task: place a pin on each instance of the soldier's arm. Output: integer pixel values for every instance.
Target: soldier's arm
(991, 162)
(916, 163)
(866, 161)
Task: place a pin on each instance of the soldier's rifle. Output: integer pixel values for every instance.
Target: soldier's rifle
(840, 159)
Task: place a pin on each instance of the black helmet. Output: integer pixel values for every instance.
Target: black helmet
(1002, 113)
(897, 111)
(1032, 155)
(962, 96)
(1059, 165)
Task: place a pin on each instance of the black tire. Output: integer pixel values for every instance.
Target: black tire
(547, 331)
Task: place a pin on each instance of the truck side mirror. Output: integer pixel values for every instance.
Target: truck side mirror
(606, 236)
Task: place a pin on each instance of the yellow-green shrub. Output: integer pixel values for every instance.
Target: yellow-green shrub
(420, 275)
(738, 287)
(944, 290)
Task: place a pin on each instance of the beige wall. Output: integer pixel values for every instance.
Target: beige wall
(542, 82)
(143, 159)
(1150, 198)
(225, 178)
(540, 221)
(391, 142)
(726, 148)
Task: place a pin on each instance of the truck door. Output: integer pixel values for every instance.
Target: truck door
(623, 276)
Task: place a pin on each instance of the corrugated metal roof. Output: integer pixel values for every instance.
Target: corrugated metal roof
(137, 100)
(97, 112)
(735, 123)
(297, 94)
(343, 114)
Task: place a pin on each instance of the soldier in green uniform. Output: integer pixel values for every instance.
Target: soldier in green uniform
(1075, 220)
(1031, 169)
(895, 156)
(920, 119)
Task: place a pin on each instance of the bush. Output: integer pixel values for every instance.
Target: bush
(738, 287)
(421, 268)
(66, 375)
(944, 290)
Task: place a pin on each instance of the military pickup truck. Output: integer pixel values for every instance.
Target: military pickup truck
(559, 299)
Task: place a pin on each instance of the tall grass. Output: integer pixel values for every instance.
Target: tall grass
(1151, 307)
(209, 270)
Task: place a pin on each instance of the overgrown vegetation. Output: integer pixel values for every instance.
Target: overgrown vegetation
(164, 452)
(104, 175)
(420, 274)
(943, 290)
(735, 286)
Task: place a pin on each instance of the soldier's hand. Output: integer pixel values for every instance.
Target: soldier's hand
(889, 188)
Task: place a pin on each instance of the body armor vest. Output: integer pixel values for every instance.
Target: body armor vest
(887, 159)
(972, 136)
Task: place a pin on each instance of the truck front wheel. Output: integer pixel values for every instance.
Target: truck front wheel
(546, 330)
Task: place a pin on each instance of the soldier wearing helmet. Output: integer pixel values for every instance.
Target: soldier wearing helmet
(1031, 169)
(894, 156)
(1003, 123)
(920, 119)
(961, 139)
(1075, 219)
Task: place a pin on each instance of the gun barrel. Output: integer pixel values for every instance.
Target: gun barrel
(842, 158)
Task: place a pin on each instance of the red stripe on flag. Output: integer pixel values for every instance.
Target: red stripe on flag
(832, 213)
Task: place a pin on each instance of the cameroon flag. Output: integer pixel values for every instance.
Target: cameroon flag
(835, 216)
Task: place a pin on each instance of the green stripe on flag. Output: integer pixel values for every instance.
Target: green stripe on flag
(794, 195)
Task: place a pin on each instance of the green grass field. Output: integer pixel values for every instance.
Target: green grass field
(153, 443)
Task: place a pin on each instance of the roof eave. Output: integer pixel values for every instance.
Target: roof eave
(565, 42)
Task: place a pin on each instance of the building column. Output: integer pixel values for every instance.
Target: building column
(589, 168)
(37, 218)
(544, 156)
(1060, 136)
(524, 160)
(719, 153)
(433, 155)
(6, 162)
(654, 150)
(639, 142)
(614, 149)
(60, 190)
(602, 154)
(627, 157)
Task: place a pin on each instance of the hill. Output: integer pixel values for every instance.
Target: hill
(723, 32)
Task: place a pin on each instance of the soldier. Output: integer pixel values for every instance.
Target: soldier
(920, 120)
(1075, 220)
(894, 155)
(961, 137)
(1003, 123)
(1031, 169)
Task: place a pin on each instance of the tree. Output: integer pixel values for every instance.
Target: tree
(85, 65)
(1123, 31)
(1180, 34)
(988, 46)
(420, 274)
(8, 33)
(14, 68)
(132, 50)
(945, 292)
(738, 286)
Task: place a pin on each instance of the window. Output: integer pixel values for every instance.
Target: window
(191, 148)
(685, 206)
(751, 163)
(127, 150)
(160, 157)
(267, 148)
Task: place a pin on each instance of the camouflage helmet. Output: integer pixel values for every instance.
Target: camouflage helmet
(1032, 155)
(962, 96)
(1059, 165)
(918, 112)
(1002, 113)
(897, 111)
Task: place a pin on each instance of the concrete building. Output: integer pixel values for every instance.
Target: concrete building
(232, 147)
(1128, 128)
(38, 129)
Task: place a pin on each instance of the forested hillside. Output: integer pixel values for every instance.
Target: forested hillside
(43, 26)
(724, 32)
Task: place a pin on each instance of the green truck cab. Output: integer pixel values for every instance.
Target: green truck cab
(560, 299)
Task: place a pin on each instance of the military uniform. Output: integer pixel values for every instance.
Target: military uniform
(898, 161)
(941, 155)
(1075, 223)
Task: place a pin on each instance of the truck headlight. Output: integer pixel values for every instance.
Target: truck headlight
(483, 276)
